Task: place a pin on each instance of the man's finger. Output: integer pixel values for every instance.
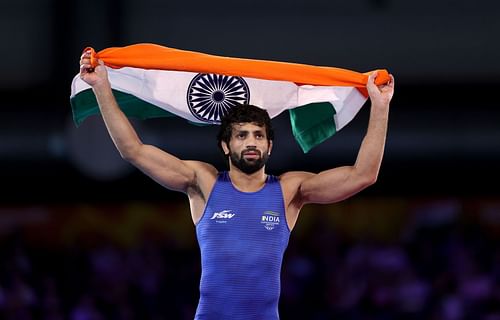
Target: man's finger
(85, 66)
(84, 61)
(372, 77)
(85, 55)
(391, 81)
(371, 86)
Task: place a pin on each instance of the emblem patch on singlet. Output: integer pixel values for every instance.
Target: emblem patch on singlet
(210, 96)
(270, 219)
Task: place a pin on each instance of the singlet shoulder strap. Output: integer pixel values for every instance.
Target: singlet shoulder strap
(223, 176)
(272, 179)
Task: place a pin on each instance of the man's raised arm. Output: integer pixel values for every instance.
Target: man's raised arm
(340, 183)
(161, 166)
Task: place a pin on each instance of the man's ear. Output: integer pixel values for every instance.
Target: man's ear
(225, 147)
(270, 147)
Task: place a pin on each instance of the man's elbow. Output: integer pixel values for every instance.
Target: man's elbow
(129, 153)
(367, 179)
(127, 156)
(370, 180)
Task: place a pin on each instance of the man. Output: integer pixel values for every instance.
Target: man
(243, 217)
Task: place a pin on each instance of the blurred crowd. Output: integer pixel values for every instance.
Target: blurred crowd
(438, 271)
(441, 273)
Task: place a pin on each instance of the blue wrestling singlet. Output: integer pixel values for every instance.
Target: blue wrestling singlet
(242, 238)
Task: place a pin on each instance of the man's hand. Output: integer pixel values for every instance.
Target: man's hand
(380, 95)
(94, 77)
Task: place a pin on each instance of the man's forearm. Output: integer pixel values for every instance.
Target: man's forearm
(372, 148)
(119, 127)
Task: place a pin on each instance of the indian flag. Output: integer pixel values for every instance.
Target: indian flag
(150, 80)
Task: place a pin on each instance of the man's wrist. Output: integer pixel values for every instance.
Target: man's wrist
(380, 106)
(101, 87)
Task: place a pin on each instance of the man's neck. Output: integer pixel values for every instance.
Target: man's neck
(247, 182)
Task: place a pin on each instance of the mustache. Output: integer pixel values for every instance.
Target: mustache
(251, 150)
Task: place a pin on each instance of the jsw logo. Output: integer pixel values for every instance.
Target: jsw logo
(225, 214)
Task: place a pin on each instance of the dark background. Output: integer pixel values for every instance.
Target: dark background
(444, 136)
(441, 159)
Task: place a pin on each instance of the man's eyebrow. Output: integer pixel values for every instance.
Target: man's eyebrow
(259, 131)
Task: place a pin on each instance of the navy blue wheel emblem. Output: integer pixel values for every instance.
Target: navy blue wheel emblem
(210, 96)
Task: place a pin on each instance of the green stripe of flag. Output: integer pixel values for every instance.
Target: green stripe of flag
(84, 104)
(312, 124)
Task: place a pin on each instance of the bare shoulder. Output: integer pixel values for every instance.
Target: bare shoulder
(201, 167)
(204, 172)
(205, 176)
(200, 188)
(294, 177)
(291, 182)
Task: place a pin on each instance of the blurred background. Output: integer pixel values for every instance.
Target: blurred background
(83, 235)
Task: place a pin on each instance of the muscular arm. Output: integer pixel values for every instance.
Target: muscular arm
(161, 166)
(340, 183)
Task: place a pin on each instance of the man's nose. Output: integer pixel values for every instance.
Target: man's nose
(251, 142)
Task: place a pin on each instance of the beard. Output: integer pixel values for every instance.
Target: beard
(248, 166)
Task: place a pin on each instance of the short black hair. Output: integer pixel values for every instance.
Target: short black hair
(243, 113)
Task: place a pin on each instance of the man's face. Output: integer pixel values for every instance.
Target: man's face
(248, 148)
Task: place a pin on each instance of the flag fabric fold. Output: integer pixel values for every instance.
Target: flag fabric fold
(149, 81)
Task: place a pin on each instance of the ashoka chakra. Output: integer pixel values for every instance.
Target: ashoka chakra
(210, 96)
